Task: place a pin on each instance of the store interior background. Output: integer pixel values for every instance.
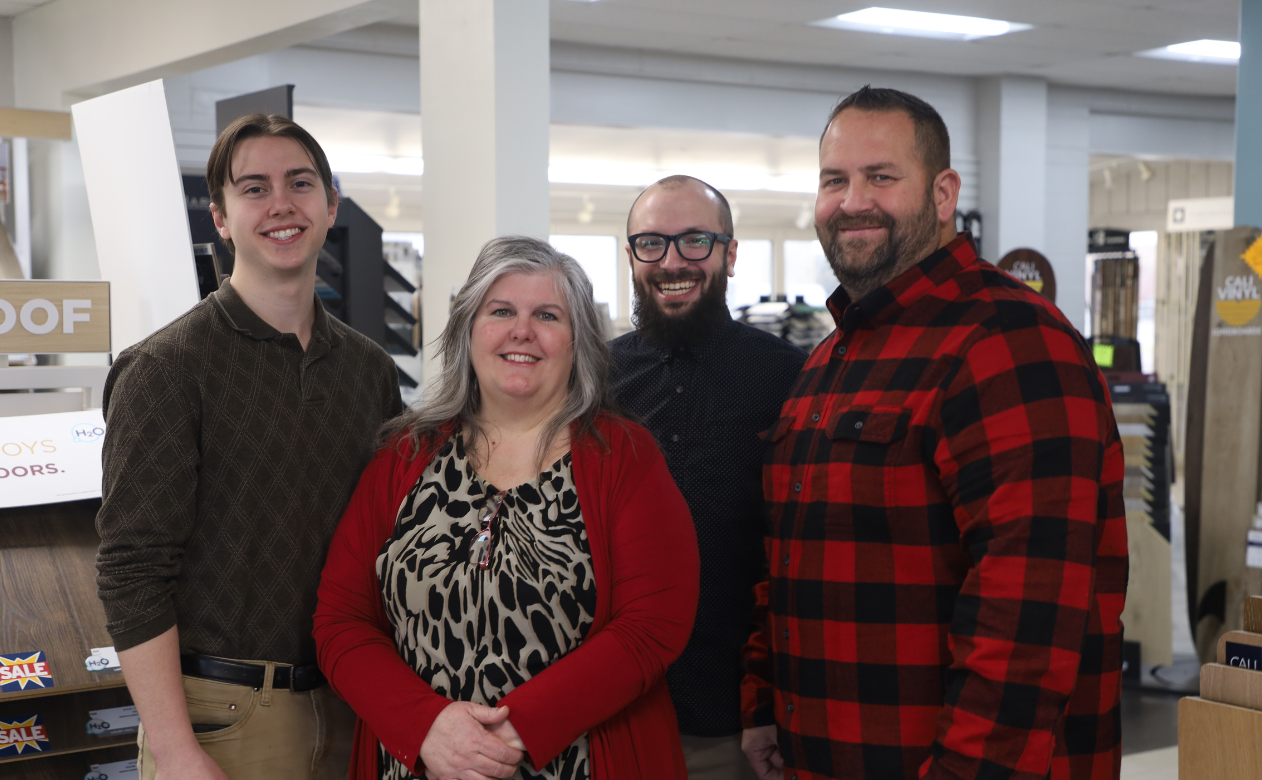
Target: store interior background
(1056, 131)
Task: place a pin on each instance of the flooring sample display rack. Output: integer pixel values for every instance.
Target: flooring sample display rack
(1142, 410)
(48, 603)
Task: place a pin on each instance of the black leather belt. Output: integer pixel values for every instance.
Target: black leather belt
(292, 678)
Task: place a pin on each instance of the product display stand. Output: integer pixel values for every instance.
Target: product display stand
(49, 604)
(1220, 731)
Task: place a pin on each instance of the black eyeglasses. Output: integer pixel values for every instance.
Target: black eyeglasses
(695, 245)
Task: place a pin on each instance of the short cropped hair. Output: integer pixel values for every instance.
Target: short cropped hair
(219, 167)
(932, 138)
(680, 180)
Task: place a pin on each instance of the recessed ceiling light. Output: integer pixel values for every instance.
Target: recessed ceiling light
(922, 24)
(1204, 50)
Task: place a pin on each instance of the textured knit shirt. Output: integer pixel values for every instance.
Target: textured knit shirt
(229, 455)
(947, 541)
(706, 406)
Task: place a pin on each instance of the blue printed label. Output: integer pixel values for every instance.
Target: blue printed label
(1244, 656)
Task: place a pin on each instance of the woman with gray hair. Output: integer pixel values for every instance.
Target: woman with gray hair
(516, 568)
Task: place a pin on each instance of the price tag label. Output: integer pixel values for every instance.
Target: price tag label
(115, 720)
(119, 770)
(103, 659)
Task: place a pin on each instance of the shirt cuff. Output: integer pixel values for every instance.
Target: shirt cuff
(138, 635)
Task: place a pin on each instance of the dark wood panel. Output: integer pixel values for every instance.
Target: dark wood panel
(65, 767)
(65, 720)
(48, 595)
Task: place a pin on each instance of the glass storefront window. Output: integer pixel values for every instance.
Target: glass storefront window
(598, 255)
(807, 272)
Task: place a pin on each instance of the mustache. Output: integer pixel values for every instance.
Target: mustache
(681, 275)
(842, 221)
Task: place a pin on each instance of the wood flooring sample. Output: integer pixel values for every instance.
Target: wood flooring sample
(1241, 648)
(1253, 614)
(1218, 741)
(1232, 685)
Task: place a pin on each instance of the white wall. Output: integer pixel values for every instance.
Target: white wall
(6, 62)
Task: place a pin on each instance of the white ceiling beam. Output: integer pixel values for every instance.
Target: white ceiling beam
(67, 50)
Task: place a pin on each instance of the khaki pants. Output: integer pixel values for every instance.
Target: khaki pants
(268, 734)
(716, 758)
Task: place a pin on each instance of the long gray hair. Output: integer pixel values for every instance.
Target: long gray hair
(456, 395)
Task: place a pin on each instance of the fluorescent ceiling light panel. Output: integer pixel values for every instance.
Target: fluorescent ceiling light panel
(1204, 50)
(921, 24)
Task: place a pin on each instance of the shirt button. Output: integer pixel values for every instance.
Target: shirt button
(858, 425)
(786, 560)
(790, 707)
(814, 418)
(841, 350)
(786, 636)
(679, 389)
(797, 487)
(674, 437)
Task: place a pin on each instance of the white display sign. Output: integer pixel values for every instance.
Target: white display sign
(103, 659)
(49, 458)
(139, 215)
(1196, 214)
(113, 721)
(119, 770)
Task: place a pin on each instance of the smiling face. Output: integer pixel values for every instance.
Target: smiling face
(276, 210)
(522, 341)
(676, 297)
(878, 212)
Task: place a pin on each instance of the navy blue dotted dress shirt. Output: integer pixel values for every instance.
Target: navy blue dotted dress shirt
(706, 405)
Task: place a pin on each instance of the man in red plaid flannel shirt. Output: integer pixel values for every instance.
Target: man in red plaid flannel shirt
(946, 540)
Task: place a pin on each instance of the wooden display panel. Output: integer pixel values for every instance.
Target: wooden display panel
(1226, 490)
(1219, 741)
(48, 595)
(48, 602)
(65, 719)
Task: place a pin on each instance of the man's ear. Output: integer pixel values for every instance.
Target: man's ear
(946, 195)
(731, 257)
(220, 225)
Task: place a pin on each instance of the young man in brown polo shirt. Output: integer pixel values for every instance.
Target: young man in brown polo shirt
(236, 435)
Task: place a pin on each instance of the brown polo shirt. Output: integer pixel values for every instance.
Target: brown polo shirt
(229, 456)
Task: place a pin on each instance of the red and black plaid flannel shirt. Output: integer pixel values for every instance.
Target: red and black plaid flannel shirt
(947, 541)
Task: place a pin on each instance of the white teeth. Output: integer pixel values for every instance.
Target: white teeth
(674, 288)
(516, 358)
(281, 235)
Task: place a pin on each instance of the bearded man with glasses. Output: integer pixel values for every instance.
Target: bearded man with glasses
(705, 386)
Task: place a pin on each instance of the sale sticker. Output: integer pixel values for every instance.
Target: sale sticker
(22, 736)
(21, 670)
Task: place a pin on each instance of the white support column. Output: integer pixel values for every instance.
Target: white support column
(484, 129)
(1012, 134)
(1068, 202)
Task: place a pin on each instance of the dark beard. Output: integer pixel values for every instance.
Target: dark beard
(690, 327)
(906, 243)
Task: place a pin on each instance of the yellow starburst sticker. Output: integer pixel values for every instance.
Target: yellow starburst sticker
(1253, 256)
(23, 736)
(19, 670)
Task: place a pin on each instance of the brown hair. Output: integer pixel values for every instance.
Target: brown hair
(932, 138)
(219, 167)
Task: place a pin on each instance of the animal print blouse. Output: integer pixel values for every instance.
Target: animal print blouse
(475, 634)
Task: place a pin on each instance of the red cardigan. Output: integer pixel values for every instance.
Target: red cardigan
(646, 570)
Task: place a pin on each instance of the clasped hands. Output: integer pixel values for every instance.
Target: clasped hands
(471, 742)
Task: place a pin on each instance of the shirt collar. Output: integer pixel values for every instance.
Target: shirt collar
(243, 320)
(885, 303)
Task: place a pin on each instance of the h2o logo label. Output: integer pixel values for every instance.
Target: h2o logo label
(87, 433)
